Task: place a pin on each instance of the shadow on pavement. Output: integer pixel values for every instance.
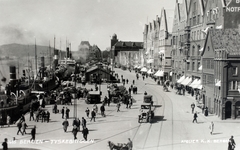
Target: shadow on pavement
(158, 118)
(216, 133)
(157, 106)
(19, 148)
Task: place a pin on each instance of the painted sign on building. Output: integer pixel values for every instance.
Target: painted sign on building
(232, 15)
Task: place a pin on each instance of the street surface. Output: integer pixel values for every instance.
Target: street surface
(171, 129)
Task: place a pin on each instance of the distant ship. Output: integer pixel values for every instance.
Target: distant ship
(65, 67)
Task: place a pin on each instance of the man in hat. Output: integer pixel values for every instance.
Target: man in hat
(62, 113)
(5, 145)
(130, 144)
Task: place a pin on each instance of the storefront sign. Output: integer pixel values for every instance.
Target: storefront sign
(232, 15)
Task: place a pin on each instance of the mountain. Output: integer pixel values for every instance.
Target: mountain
(20, 50)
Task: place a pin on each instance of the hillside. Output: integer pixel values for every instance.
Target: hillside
(20, 50)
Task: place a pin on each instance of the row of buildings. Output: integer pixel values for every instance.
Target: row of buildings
(198, 42)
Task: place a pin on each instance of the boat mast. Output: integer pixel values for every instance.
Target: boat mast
(50, 56)
(36, 57)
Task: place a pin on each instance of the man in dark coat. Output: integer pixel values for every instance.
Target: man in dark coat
(33, 133)
(84, 122)
(24, 126)
(62, 113)
(93, 114)
(67, 113)
(85, 133)
(231, 144)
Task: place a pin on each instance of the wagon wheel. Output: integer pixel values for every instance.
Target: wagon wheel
(139, 119)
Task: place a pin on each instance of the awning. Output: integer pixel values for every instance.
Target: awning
(201, 49)
(197, 84)
(218, 83)
(139, 67)
(200, 87)
(181, 79)
(144, 69)
(159, 73)
(150, 71)
(135, 66)
(187, 81)
(193, 83)
(150, 61)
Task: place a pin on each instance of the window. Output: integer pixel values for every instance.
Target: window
(193, 50)
(193, 66)
(198, 35)
(198, 19)
(198, 65)
(188, 66)
(235, 71)
(233, 85)
(199, 47)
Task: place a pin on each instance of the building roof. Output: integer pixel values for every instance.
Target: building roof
(228, 39)
(129, 44)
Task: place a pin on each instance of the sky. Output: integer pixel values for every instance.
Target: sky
(23, 21)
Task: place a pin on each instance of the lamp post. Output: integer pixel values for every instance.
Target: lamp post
(75, 99)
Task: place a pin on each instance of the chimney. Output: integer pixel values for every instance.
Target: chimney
(67, 52)
(12, 73)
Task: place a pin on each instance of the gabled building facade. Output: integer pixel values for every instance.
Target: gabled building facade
(165, 44)
(179, 44)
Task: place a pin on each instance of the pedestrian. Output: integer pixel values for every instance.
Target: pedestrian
(19, 125)
(108, 101)
(31, 115)
(129, 90)
(87, 112)
(4, 144)
(143, 77)
(22, 118)
(231, 144)
(211, 127)
(67, 113)
(48, 116)
(78, 124)
(75, 131)
(93, 115)
(8, 120)
(102, 109)
(62, 113)
(129, 144)
(95, 108)
(183, 91)
(55, 108)
(85, 133)
(195, 117)
(127, 81)
(43, 116)
(65, 125)
(33, 133)
(118, 106)
(24, 127)
(192, 106)
(127, 103)
(130, 102)
(84, 123)
(133, 82)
